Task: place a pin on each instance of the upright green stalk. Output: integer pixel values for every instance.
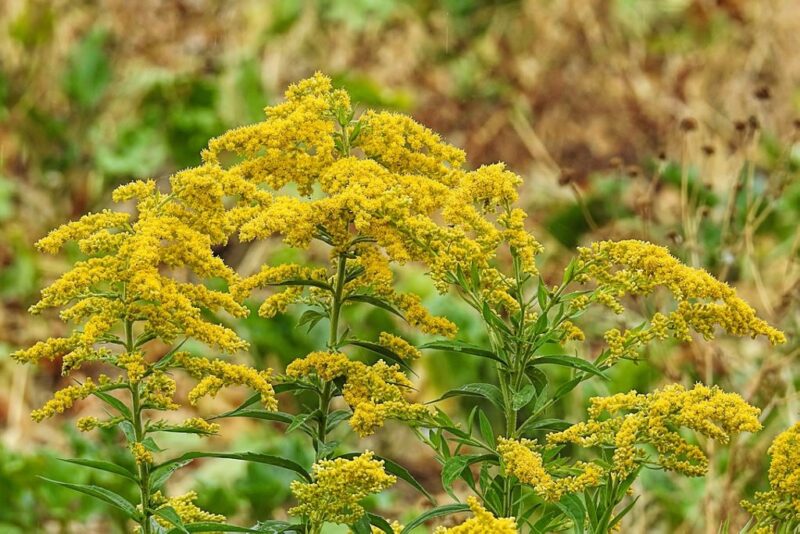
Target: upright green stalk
(139, 432)
(333, 339)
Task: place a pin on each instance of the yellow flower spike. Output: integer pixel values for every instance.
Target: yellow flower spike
(64, 399)
(654, 419)
(338, 487)
(520, 460)
(780, 506)
(638, 268)
(184, 505)
(400, 346)
(83, 228)
(374, 392)
(483, 522)
(140, 453)
(216, 374)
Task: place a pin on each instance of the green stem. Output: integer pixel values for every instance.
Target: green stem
(139, 434)
(333, 339)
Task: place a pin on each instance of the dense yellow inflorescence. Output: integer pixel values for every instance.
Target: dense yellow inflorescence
(338, 486)
(780, 506)
(702, 302)
(375, 393)
(184, 505)
(381, 189)
(127, 292)
(483, 522)
(654, 419)
(523, 462)
(213, 375)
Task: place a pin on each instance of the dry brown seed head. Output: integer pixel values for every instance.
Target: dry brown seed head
(763, 93)
(688, 124)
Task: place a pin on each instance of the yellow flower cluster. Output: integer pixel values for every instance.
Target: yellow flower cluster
(374, 392)
(200, 425)
(141, 454)
(280, 275)
(483, 522)
(780, 506)
(379, 189)
(213, 375)
(338, 487)
(655, 419)
(64, 399)
(703, 302)
(521, 461)
(399, 346)
(184, 505)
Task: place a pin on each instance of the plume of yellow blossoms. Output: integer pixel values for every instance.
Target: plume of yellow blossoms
(379, 189)
(634, 267)
(483, 522)
(374, 392)
(338, 487)
(126, 293)
(780, 506)
(654, 419)
(524, 463)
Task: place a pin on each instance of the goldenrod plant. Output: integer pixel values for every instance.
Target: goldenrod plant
(129, 302)
(362, 196)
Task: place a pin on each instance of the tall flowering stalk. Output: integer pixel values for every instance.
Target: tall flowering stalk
(124, 297)
(374, 192)
(529, 329)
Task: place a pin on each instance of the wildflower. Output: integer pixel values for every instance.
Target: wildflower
(338, 487)
(654, 419)
(703, 302)
(184, 505)
(781, 504)
(216, 374)
(527, 465)
(483, 522)
(374, 392)
(141, 454)
(399, 346)
(64, 399)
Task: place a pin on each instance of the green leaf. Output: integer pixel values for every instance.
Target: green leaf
(209, 526)
(454, 467)
(542, 424)
(381, 523)
(102, 494)
(103, 466)
(362, 526)
(115, 402)
(521, 398)
(570, 361)
(160, 475)
(439, 511)
(573, 507)
(460, 346)
(393, 468)
(274, 526)
(300, 420)
(378, 303)
(486, 429)
(542, 294)
(169, 513)
(487, 391)
(242, 456)
(255, 413)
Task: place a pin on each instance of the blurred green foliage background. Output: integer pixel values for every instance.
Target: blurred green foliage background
(602, 105)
